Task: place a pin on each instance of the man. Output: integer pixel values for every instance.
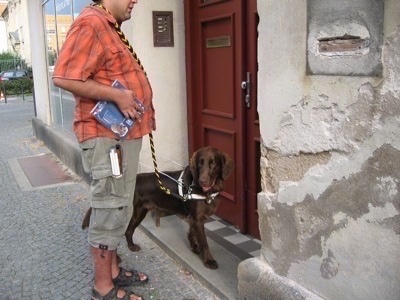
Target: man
(92, 57)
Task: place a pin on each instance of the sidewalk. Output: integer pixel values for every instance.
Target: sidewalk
(44, 252)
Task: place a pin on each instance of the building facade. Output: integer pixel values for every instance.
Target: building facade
(319, 110)
(3, 28)
(18, 33)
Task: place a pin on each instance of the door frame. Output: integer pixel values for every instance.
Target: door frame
(241, 113)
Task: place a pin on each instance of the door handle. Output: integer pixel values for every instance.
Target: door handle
(246, 85)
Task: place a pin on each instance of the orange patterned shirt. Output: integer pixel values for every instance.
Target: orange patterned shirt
(94, 50)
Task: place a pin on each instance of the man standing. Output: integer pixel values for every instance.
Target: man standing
(92, 57)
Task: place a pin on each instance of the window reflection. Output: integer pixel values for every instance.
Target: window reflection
(64, 20)
(58, 16)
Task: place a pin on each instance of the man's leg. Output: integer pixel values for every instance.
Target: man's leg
(131, 150)
(115, 270)
(103, 261)
(108, 222)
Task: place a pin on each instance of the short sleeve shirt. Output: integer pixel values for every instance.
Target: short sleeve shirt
(93, 49)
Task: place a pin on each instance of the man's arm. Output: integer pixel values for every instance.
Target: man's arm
(91, 89)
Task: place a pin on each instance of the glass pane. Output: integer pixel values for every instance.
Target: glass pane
(68, 106)
(8, 74)
(59, 15)
(79, 5)
(63, 20)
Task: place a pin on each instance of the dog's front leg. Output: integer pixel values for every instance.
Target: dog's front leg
(198, 232)
(192, 239)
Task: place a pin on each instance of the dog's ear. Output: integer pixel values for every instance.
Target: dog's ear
(227, 166)
(193, 165)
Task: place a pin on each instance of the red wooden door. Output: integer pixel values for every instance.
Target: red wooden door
(218, 60)
(252, 152)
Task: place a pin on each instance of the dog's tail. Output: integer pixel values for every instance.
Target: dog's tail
(86, 219)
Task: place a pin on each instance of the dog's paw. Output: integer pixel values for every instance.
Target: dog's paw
(211, 264)
(195, 249)
(134, 247)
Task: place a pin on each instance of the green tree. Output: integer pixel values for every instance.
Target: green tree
(8, 55)
(9, 60)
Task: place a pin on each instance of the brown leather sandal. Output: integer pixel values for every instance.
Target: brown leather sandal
(112, 295)
(124, 280)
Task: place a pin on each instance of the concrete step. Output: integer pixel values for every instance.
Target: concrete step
(171, 236)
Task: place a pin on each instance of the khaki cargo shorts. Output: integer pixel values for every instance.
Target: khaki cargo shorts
(111, 197)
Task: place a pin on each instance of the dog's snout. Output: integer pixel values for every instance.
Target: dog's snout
(203, 181)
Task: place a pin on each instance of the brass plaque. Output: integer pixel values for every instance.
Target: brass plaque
(219, 42)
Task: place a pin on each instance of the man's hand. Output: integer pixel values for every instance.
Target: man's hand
(128, 106)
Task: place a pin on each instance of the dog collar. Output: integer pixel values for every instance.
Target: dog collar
(190, 196)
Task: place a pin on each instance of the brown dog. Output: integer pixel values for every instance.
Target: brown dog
(200, 184)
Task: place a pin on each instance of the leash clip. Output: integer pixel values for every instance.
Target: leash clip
(187, 196)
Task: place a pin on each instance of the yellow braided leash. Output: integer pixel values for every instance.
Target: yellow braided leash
(126, 42)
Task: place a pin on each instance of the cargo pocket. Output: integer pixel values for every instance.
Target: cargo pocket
(109, 219)
(107, 191)
(87, 152)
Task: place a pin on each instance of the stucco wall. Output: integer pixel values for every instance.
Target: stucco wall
(329, 210)
(165, 67)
